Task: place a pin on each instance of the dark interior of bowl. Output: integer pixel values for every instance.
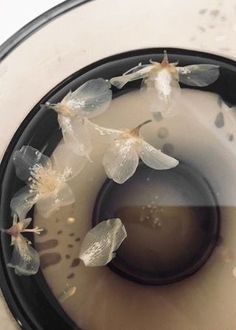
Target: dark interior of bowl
(29, 298)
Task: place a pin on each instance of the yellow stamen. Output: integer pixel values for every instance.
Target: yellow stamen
(44, 181)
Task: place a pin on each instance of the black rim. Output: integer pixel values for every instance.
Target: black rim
(5, 49)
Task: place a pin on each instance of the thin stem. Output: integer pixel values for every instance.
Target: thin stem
(136, 130)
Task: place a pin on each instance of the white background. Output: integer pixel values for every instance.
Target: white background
(14, 14)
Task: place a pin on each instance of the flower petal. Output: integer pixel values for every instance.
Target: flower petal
(200, 75)
(138, 72)
(26, 158)
(155, 158)
(76, 134)
(90, 99)
(25, 259)
(161, 93)
(120, 160)
(64, 157)
(22, 202)
(64, 197)
(100, 243)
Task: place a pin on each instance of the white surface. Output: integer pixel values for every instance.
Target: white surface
(184, 24)
(15, 14)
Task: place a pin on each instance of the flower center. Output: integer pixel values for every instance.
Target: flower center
(44, 181)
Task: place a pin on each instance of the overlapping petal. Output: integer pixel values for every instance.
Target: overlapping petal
(76, 133)
(25, 160)
(22, 202)
(65, 158)
(25, 259)
(121, 160)
(91, 99)
(47, 185)
(161, 81)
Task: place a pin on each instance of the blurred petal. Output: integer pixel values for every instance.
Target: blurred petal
(64, 157)
(22, 202)
(25, 259)
(200, 75)
(120, 160)
(76, 134)
(100, 243)
(64, 197)
(138, 72)
(90, 99)
(26, 158)
(155, 158)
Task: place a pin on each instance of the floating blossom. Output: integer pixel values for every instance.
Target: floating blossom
(89, 100)
(46, 180)
(161, 80)
(100, 243)
(25, 259)
(122, 157)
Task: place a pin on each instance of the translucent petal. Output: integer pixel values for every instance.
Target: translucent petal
(25, 259)
(120, 160)
(76, 134)
(26, 158)
(22, 202)
(100, 243)
(155, 158)
(138, 72)
(64, 197)
(90, 99)
(200, 75)
(64, 157)
(160, 94)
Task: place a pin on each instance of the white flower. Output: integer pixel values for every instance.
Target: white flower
(122, 157)
(100, 243)
(89, 100)
(161, 80)
(25, 259)
(46, 180)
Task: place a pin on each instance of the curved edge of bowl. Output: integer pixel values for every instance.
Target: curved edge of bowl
(26, 31)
